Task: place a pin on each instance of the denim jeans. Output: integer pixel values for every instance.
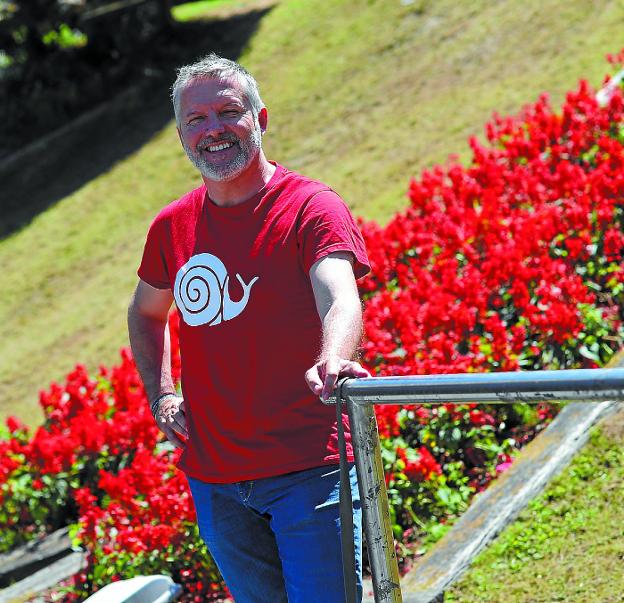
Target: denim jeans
(277, 539)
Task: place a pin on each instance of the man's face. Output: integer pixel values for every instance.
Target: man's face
(218, 129)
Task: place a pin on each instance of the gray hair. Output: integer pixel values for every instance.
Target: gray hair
(215, 67)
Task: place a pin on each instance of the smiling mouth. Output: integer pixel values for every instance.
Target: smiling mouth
(215, 148)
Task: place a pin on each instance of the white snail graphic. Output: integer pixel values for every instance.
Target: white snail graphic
(201, 291)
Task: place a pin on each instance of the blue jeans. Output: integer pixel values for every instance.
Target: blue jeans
(277, 539)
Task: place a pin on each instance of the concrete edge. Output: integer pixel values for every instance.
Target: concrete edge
(44, 578)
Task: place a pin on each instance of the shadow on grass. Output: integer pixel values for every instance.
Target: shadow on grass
(38, 179)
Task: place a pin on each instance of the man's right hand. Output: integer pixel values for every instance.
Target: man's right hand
(170, 417)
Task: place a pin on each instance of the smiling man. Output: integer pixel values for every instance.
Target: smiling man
(262, 265)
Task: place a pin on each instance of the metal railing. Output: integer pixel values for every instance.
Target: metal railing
(360, 395)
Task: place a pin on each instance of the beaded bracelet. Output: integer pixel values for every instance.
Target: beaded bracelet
(155, 403)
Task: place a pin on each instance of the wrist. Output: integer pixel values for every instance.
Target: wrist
(156, 402)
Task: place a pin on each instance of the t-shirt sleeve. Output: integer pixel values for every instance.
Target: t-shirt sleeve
(326, 225)
(153, 267)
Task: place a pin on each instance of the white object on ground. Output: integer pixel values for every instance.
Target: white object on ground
(142, 589)
(604, 94)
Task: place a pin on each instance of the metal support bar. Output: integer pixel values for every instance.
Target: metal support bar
(374, 500)
(492, 388)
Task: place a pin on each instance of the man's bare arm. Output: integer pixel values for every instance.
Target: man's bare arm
(338, 306)
(149, 340)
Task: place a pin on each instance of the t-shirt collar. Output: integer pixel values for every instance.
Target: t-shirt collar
(247, 206)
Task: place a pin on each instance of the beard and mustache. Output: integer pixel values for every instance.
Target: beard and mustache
(248, 149)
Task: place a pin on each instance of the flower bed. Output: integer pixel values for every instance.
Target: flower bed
(513, 262)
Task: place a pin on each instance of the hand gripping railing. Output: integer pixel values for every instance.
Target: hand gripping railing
(491, 388)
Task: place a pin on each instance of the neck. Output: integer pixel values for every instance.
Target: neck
(233, 192)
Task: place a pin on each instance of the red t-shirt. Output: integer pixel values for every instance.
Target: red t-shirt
(249, 328)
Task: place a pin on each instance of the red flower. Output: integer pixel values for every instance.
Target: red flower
(15, 425)
(480, 418)
(421, 468)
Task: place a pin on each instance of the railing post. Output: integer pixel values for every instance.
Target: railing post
(492, 388)
(374, 500)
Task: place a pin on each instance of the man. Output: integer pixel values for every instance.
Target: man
(261, 263)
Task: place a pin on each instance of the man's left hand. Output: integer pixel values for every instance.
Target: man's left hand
(323, 376)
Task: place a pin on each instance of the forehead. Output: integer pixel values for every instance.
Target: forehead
(209, 91)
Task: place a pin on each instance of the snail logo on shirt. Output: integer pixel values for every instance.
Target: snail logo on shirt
(201, 291)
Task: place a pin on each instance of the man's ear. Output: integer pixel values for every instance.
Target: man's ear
(179, 133)
(263, 119)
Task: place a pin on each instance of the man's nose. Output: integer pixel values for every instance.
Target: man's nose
(213, 125)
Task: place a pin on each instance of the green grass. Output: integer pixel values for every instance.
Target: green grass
(205, 8)
(568, 545)
(361, 94)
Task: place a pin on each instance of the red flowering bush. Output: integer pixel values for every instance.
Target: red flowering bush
(140, 521)
(98, 461)
(511, 262)
(514, 261)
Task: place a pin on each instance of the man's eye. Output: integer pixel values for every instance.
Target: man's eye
(195, 119)
(231, 112)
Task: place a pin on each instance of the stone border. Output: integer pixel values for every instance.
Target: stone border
(45, 578)
(24, 560)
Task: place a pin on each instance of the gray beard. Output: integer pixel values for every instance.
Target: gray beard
(247, 151)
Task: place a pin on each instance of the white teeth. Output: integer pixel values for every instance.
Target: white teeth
(219, 147)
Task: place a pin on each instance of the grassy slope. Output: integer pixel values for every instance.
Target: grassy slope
(568, 545)
(362, 94)
(371, 96)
